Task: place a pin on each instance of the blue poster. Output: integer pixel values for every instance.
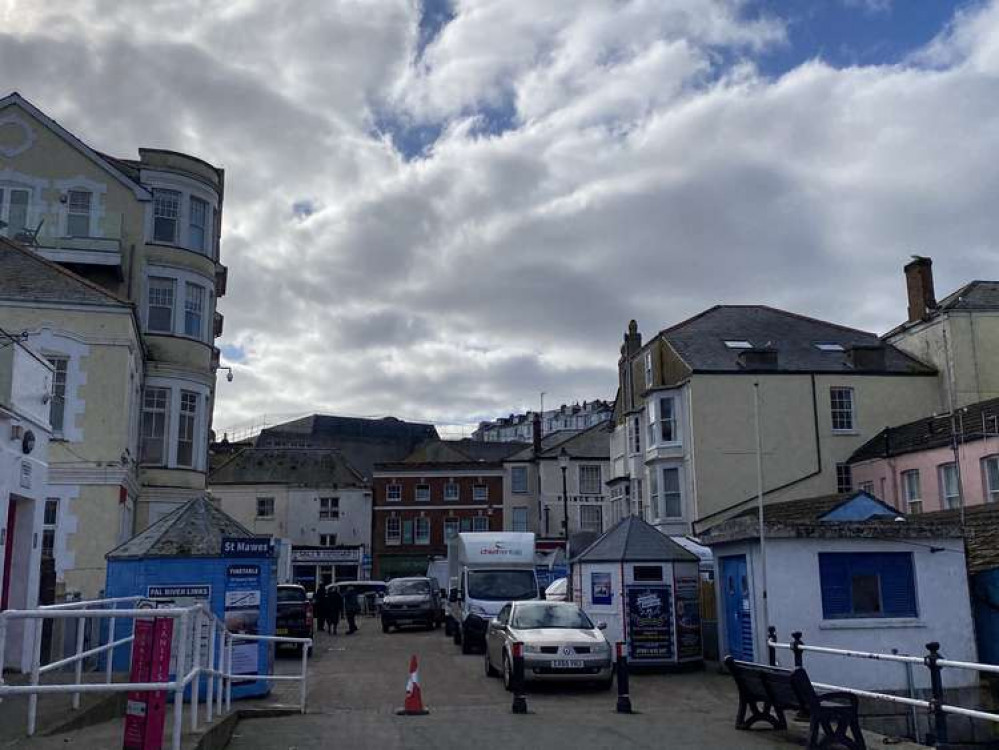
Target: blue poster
(650, 623)
(600, 588)
(242, 614)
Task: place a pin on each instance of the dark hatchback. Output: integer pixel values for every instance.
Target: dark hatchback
(411, 601)
(294, 612)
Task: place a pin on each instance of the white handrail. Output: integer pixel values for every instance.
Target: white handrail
(190, 666)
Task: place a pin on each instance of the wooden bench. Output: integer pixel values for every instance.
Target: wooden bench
(767, 692)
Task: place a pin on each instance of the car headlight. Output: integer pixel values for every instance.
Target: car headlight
(532, 648)
(603, 647)
(475, 609)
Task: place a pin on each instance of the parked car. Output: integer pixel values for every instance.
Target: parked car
(560, 643)
(556, 590)
(412, 601)
(294, 612)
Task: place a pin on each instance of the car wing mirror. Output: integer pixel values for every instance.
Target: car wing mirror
(601, 626)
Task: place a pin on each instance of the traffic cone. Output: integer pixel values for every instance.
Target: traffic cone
(414, 698)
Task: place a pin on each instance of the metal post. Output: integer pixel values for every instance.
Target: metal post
(3, 647)
(517, 679)
(36, 665)
(178, 691)
(195, 667)
(222, 641)
(939, 736)
(623, 696)
(109, 654)
(303, 685)
(210, 683)
(81, 631)
(910, 684)
(759, 503)
(771, 649)
(796, 648)
(228, 679)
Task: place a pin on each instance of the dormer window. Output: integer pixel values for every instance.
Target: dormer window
(738, 344)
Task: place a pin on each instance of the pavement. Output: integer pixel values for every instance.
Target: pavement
(358, 681)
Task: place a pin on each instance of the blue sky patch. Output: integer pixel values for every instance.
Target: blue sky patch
(233, 353)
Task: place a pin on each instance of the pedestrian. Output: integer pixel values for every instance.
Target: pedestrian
(320, 606)
(350, 608)
(334, 608)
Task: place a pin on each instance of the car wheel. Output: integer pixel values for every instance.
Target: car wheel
(385, 626)
(466, 643)
(507, 673)
(490, 669)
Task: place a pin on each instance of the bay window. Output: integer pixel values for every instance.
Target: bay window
(672, 505)
(166, 215)
(187, 428)
(198, 231)
(155, 416)
(161, 300)
(667, 420)
(194, 307)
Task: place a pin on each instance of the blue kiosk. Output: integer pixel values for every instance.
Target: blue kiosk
(197, 553)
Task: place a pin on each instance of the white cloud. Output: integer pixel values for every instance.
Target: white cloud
(649, 171)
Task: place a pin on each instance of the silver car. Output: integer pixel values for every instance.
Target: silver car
(560, 643)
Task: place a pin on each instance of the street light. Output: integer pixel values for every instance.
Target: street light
(563, 464)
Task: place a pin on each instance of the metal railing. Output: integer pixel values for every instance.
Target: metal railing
(937, 708)
(192, 626)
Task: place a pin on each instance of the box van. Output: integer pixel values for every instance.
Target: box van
(485, 571)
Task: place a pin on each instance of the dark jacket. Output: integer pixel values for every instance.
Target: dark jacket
(334, 603)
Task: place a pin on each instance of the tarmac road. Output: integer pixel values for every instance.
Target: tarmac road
(357, 682)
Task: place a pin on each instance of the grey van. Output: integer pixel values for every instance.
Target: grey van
(411, 601)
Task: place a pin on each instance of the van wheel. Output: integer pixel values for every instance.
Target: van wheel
(385, 626)
(466, 644)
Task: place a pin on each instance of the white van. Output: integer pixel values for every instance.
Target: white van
(485, 571)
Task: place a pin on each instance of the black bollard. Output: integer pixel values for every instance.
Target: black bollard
(517, 680)
(796, 644)
(938, 737)
(771, 648)
(623, 697)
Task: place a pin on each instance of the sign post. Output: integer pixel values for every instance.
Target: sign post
(145, 711)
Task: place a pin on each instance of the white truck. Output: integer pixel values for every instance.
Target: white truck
(485, 571)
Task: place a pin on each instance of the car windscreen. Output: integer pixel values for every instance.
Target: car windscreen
(502, 585)
(532, 616)
(290, 595)
(407, 588)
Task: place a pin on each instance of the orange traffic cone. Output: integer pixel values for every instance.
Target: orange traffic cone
(414, 698)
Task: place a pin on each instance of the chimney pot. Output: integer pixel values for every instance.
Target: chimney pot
(536, 434)
(919, 287)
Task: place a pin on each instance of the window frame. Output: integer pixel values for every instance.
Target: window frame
(844, 478)
(421, 522)
(518, 487)
(75, 212)
(329, 508)
(478, 521)
(417, 492)
(589, 483)
(671, 421)
(911, 500)
(591, 508)
(163, 281)
(60, 380)
(945, 499)
(515, 513)
(189, 418)
(482, 497)
(990, 491)
(393, 539)
(327, 540)
(839, 572)
(163, 458)
(50, 526)
(393, 493)
(267, 500)
(205, 247)
(160, 197)
(451, 522)
(678, 493)
(450, 496)
(838, 410)
(194, 305)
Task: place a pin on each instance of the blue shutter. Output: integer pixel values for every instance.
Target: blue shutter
(898, 585)
(834, 578)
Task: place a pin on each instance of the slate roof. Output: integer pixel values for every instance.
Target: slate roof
(975, 295)
(634, 540)
(975, 422)
(364, 442)
(304, 467)
(591, 443)
(27, 276)
(195, 529)
(700, 341)
(463, 451)
(803, 519)
(981, 540)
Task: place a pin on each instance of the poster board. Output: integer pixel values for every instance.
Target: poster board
(650, 622)
(688, 617)
(242, 614)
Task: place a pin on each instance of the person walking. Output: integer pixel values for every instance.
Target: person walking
(334, 608)
(351, 607)
(320, 606)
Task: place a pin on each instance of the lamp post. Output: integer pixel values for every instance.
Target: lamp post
(563, 464)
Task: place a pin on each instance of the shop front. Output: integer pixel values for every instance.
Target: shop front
(312, 566)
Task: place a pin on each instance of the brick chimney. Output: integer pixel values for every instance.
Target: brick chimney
(919, 285)
(632, 341)
(536, 434)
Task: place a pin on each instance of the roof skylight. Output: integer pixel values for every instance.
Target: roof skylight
(738, 344)
(829, 346)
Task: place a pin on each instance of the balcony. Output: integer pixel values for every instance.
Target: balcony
(44, 232)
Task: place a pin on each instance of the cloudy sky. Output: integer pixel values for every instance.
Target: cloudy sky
(438, 208)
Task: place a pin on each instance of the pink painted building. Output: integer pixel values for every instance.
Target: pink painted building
(916, 468)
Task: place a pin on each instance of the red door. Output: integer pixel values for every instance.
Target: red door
(8, 552)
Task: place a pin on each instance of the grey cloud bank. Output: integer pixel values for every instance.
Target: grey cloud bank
(644, 174)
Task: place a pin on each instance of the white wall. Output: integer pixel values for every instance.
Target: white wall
(795, 603)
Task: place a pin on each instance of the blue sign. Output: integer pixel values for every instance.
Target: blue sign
(182, 591)
(600, 588)
(246, 546)
(650, 623)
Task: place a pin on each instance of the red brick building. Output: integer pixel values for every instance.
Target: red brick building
(443, 488)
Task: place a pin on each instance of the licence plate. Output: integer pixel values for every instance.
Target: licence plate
(282, 631)
(567, 664)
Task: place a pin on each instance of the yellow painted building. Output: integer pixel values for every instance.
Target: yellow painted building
(136, 367)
